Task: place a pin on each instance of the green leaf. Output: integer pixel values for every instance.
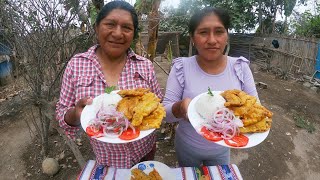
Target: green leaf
(210, 92)
(109, 89)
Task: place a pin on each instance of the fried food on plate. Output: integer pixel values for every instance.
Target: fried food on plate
(154, 175)
(255, 117)
(148, 103)
(255, 114)
(127, 104)
(154, 119)
(142, 108)
(232, 98)
(260, 126)
(137, 174)
(133, 92)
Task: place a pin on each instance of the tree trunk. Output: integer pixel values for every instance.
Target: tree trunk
(285, 28)
(260, 16)
(190, 48)
(274, 17)
(153, 29)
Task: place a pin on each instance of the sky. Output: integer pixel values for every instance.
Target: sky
(165, 3)
(310, 6)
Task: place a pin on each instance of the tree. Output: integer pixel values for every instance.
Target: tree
(45, 35)
(307, 24)
(151, 8)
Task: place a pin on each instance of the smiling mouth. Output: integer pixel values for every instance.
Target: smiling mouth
(113, 42)
(212, 48)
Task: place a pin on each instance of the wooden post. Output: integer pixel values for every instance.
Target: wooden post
(190, 48)
(177, 45)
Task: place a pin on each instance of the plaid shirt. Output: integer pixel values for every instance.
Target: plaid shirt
(83, 77)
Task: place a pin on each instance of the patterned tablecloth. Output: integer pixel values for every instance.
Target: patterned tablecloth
(92, 171)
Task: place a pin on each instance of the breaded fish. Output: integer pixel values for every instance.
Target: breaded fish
(126, 105)
(260, 126)
(148, 103)
(154, 175)
(255, 114)
(154, 119)
(255, 117)
(133, 92)
(137, 174)
(232, 98)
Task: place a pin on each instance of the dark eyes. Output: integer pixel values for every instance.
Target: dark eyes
(125, 27)
(218, 31)
(110, 24)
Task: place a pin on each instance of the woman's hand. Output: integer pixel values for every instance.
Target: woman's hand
(180, 109)
(72, 116)
(184, 107)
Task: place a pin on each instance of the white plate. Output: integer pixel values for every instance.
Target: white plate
(89, 112)
(147, 166)
(196, 120)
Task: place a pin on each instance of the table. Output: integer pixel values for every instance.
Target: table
(92, 171)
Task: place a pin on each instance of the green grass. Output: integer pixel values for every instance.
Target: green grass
(301, 122)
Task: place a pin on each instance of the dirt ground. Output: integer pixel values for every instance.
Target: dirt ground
(289, 152)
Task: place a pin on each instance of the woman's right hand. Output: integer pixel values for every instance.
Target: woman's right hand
(184, 107)
(72, 116)
(180, 108)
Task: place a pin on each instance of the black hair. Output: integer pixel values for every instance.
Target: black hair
(119, 5)
(199, 15)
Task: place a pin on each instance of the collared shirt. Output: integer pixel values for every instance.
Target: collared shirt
(83, 77)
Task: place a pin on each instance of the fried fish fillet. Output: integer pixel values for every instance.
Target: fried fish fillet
(127, 104)
(232, 98)
(147, 104)
(245, 108)
(154, 175)
(255, 114)
(154, 119)
(260, 126)
(133, 92)
(252, 114)
(137, 174)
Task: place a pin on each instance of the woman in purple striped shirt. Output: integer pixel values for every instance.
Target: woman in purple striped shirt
(191, 76)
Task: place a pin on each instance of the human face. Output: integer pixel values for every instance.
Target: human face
(210, 38)
(115, 33)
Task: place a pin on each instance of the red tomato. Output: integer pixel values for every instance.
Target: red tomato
(238, 141)
(128, 134)
(211, 136)
(110, 120)
(93, 130)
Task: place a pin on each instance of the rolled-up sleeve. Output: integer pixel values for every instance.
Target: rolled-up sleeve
(66, 101)
(174, 90)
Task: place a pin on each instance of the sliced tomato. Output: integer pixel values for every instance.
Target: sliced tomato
(211, 136)
(129, 134)
(93, 130)
(237, 141)
(116, 129)
(110, 120)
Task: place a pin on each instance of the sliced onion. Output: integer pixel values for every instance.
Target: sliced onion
(224, 122)
(132, 127)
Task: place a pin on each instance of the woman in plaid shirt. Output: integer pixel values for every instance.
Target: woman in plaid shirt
(109, 63)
